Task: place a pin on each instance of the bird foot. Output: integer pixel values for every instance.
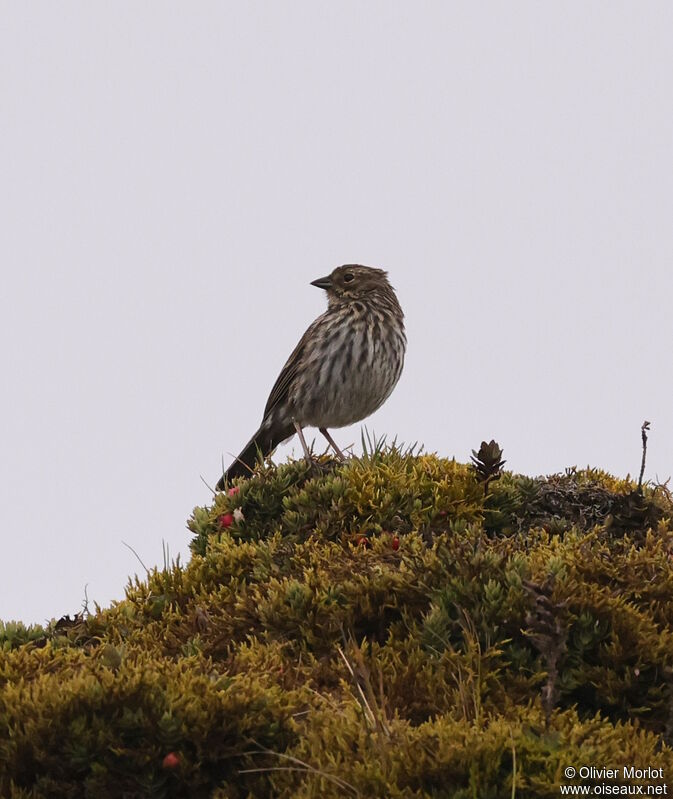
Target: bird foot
(322, 465)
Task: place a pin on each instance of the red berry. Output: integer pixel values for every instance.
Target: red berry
(363, 541)
(395, 543)
(233, 491)
(172, 760)
(226, 519)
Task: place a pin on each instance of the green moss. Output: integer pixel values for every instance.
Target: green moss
(384, 627)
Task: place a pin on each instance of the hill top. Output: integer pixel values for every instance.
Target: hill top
(399, 625)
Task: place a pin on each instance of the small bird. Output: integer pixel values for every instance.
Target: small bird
(345, 366)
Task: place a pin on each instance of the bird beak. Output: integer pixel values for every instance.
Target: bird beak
(322, 283)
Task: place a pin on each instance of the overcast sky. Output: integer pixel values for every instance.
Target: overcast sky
(173, 176)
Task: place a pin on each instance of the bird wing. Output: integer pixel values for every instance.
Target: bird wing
(281, 387)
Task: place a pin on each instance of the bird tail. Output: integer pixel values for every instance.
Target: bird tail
(263, 443)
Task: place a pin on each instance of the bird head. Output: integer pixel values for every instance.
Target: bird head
(352, 282)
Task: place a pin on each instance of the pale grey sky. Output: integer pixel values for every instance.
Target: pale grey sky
(174, 174)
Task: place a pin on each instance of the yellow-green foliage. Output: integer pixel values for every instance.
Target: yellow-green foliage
(381, 628)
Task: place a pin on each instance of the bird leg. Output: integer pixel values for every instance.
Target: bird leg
(307, 454)
(331, 442)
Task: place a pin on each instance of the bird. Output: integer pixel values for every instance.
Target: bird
(344, 367)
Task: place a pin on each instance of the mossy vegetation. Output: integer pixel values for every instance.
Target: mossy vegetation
(395, 626)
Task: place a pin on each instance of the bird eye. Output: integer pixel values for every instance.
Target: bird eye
(348, 277)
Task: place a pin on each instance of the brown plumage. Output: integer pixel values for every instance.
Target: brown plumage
(344, 367)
